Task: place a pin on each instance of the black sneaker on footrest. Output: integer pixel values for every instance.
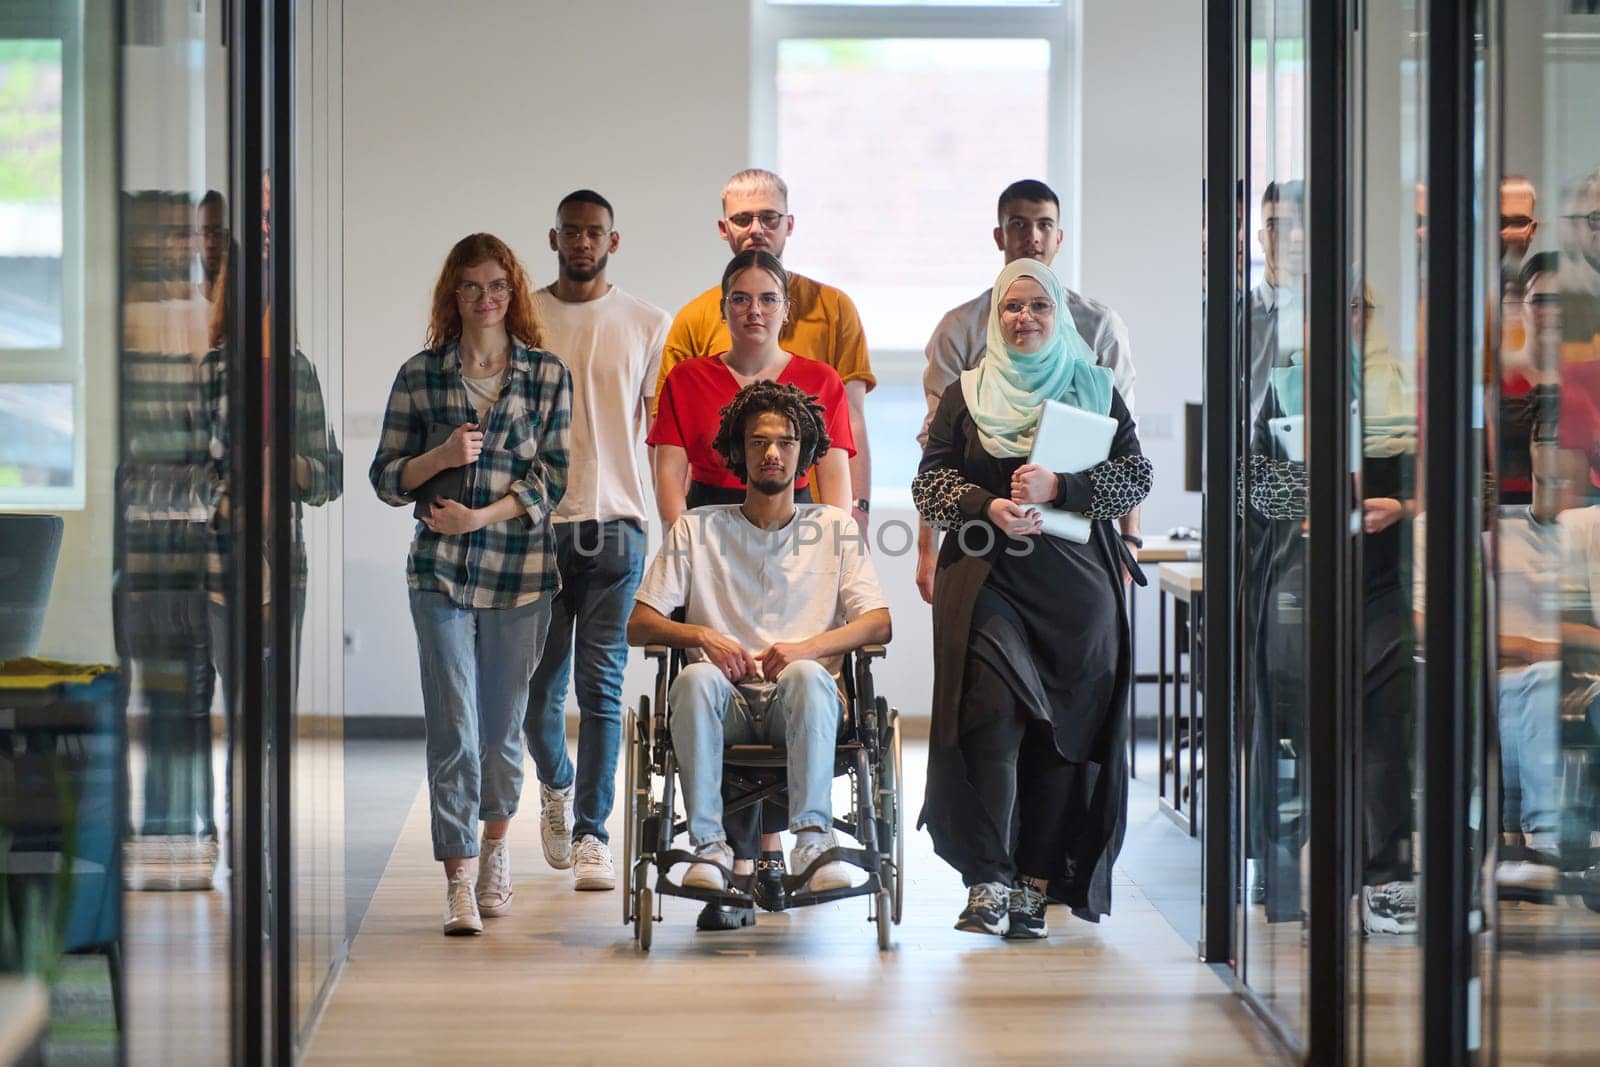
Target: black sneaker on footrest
(769, 881)
(724, 917)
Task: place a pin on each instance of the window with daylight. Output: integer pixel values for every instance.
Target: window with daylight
(896, 125)
(41, 450)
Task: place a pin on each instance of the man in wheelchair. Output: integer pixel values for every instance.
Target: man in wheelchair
(772, 593)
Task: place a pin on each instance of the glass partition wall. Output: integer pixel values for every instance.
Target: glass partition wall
(1405, 344)
(172, 787)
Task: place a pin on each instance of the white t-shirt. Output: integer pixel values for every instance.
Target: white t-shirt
(612, 346)
(1546, 570)
(764, 586)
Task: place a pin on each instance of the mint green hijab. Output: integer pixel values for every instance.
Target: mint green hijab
(1006, 391)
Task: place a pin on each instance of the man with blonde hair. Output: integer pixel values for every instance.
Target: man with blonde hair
(823, 323)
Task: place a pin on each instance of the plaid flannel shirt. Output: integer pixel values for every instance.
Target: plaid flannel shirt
(314, 442)
(525, 442)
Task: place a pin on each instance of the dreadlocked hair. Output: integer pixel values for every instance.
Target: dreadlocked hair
(803, 411)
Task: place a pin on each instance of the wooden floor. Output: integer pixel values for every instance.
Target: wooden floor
(560, 980)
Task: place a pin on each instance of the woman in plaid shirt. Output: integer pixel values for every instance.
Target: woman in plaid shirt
(482, 568)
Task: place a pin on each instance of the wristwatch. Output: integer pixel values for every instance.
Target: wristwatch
(863, 505)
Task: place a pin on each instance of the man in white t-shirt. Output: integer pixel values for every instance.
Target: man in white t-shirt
(1029, 226)
(611, 342)
(773, 594)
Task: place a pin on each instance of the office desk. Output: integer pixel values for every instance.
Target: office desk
(1178, 792)
(1156, 550)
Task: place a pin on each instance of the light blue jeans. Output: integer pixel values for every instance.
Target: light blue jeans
(476, 665)
(600, 565)
(1530, 751)
(801, 712)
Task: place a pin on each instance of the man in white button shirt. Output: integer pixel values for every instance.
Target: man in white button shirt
(1029, 226)
(611, 342)
(773, 594)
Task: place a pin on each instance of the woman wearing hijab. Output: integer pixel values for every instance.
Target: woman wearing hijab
(1277, 496)
(1027, 773)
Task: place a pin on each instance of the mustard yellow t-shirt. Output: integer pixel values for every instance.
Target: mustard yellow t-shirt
(823, 325)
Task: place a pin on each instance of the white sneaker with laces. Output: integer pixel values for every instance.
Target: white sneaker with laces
(808, 846)
(705, 876)
(461, 916)
(591, 864)
(494, 878)
(555, 825)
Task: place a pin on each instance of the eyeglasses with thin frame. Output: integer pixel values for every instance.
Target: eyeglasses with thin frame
(770, 303)
(499, 291)
(570, 234)
(770, 220)
(1592, 218)
(1515, 222)
(1039, 309)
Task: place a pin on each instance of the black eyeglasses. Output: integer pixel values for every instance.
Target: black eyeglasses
(1515, 222)
(1592, 218)
(770, 220)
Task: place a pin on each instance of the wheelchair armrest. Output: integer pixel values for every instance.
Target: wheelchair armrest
(657, 652)
(871, 652)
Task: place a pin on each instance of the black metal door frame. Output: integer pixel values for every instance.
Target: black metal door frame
(260, 38)
(1451, 477)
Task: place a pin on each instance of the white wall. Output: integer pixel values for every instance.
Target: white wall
(1141, 171)
(483, 121)
(449, 129)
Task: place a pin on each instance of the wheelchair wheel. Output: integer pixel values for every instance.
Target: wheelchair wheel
(644, 920)
(891, 804)
(885, 917)
(632, 804)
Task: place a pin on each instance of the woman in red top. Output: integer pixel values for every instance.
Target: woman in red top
(688, 471)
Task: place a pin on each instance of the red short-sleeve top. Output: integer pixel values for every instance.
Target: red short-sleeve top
(689, 410)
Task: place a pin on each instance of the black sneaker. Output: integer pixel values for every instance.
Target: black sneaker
(723, 917)
(1026, 915)
(988, 909)
(1390, 908)
(769, 881)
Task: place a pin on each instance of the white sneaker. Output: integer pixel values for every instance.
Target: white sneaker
(461, 906)
(555, 825)
(1527, 876)
(591, 864)
(494, 879)
(809, 845)
(705, 876)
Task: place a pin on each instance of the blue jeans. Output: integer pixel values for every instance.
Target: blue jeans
(801, 712)
(476, 664)
(1529, 751)
(600, 564)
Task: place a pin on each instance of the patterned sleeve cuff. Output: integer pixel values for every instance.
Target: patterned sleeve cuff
(1117, 486)
(938, 496)
(1277, 489)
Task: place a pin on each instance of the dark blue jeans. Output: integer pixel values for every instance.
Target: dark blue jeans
(601, 564)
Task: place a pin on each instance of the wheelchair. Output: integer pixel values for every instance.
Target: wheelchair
(867, 751)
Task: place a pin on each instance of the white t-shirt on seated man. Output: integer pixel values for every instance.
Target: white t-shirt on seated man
(773, 594)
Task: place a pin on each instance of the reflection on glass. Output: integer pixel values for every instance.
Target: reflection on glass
(1547, 538)
(1274, 494)
(30, 194)
(1389, 228)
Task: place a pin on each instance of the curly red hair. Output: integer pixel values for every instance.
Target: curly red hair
(444, 324)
